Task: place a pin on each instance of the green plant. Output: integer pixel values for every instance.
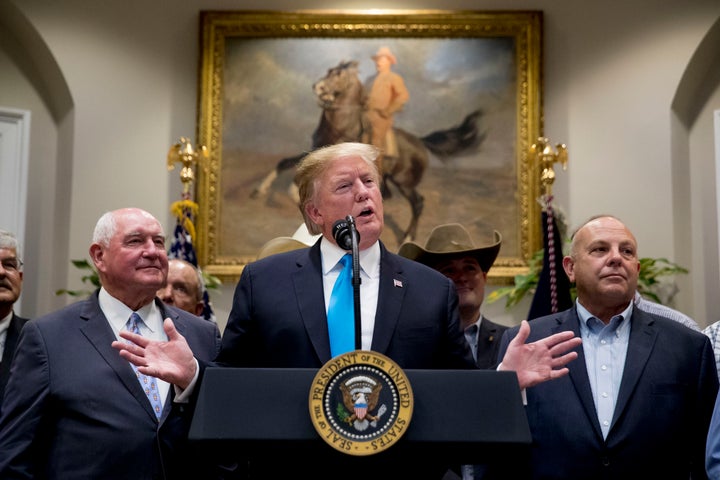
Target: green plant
(90, 278)
(652, 273)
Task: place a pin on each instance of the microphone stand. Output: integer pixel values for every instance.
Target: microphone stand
(356, 281)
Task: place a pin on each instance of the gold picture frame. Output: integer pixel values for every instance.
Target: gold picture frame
(257, 107)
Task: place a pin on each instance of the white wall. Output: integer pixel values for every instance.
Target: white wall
(611, 72)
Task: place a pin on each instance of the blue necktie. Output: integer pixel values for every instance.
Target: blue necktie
(341, 311)
(149, 384)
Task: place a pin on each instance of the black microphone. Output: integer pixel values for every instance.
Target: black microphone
(343, 234)
(347, 238)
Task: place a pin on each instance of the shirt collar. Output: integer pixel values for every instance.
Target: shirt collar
(118, 313)
(585, 316)
(369, 258)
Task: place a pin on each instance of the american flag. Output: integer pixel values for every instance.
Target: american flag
(182, 245)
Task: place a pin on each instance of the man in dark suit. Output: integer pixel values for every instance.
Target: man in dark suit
(450, 250)
(11, 277)
(637, 402)
(408, 311)
(74, 408)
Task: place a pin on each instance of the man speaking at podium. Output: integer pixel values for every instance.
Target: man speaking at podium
(409, 311)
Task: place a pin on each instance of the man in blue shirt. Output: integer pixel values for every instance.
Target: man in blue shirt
(638, 400)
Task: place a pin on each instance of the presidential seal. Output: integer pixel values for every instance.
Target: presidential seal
(361, 402)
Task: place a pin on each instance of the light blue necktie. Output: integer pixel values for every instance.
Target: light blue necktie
(341, 311)
(149, 384)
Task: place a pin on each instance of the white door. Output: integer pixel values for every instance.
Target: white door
(14, 155)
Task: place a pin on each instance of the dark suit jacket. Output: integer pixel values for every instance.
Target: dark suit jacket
(278, 316)
(661, 418)
(13, 333)
(488, 344)
(74, 409)
(278, 319)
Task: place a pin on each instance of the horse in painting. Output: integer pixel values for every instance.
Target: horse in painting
(340, 94)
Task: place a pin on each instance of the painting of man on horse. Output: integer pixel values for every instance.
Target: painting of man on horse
(454, 158)
(344, 118)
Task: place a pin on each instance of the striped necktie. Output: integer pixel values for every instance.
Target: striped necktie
(149, 384)
(341, 312)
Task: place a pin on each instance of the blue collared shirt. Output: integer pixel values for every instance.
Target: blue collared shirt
(605, 348)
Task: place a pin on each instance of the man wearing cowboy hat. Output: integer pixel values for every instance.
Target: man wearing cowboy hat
(387, 95)
(450, 250)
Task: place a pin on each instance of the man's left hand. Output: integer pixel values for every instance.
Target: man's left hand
(542, 360)
(171, 360)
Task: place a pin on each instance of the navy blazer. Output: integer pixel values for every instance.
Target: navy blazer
(11, 339)
(661, 417)
(74, 408)
(278, 316)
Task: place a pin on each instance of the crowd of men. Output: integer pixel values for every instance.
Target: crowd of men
(107, 387)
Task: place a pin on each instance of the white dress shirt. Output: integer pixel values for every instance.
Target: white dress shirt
(369, 283)
(118, 314)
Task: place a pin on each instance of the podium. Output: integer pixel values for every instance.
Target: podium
(459, 416)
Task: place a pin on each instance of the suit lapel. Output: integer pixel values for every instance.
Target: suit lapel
(11, 338)
(99, 333)
(487, 343)
(390, 300)
(308, 284)
(13, 333)
(182, 327)
(642, 338)
(578, 369)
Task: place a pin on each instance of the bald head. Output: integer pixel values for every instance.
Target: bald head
(184, 287)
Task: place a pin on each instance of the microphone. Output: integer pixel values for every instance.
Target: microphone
(347, 238)
(343, 233)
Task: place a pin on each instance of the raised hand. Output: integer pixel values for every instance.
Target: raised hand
(542, 360)
(171, 360)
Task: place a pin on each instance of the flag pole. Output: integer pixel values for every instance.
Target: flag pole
(183, 243)
(547, 157)
(184, 153)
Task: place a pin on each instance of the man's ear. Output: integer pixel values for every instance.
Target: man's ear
(97, 255)
(314, 213)
(569, 267)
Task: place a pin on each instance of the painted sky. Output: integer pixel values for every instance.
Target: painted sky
(270, 106)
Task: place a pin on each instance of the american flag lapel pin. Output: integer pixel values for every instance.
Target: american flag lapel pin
(397, 283)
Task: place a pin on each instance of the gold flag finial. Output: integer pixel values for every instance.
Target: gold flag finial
(183, 152)
(547, 157)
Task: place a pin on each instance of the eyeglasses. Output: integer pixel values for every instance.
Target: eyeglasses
(11, 264)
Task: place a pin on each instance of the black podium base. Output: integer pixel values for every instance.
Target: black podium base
(459, 416)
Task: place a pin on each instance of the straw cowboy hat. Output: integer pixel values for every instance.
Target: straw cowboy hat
(449, 241)
(385, 52)
(300, 239)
